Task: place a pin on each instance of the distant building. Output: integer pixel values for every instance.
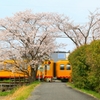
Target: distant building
(59, 55)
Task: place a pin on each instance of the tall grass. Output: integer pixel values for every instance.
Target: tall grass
(23, 92)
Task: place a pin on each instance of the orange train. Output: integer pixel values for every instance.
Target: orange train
(61, 70)
(47, 71)
(13, 72)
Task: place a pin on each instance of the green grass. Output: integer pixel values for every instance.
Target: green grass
(7, 80)
(23, 92)
(27, 90)
(5, 93)
(89, 92)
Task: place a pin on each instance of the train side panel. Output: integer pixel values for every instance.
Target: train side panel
(63, 70)
(6, 74)
(9, 70)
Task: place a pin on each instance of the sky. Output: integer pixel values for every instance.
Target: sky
(76, 10)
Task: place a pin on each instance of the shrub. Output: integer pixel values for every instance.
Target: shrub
(86, 66)
(79, 66)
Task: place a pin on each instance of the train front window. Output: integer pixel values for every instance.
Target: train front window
(68, 67)
(47, 67)
(39, 67)
(61, 67)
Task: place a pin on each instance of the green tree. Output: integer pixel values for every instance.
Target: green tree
(80, 67)
(93, 56)
(86, 66)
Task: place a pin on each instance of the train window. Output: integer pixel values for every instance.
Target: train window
(68, 67)
(47, 67)
(61, 67)
(39, 67)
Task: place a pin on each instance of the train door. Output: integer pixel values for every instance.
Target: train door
(46, 68)
(54, 69)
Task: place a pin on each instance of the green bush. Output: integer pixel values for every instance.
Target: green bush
(79, 66)
(86, 66)
(93, 59)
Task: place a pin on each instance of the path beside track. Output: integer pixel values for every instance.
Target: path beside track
(57, 91)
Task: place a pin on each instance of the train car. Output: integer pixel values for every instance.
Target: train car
(63, 70)
(45, 71)
(48, 70)
(7, 74)
(39, 74)
(9, 70)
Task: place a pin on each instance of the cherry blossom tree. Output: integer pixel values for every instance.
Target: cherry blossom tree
(79, 34)
(31, 36)
(28, 36)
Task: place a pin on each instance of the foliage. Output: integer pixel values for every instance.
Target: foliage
(79, 66)
(86, 66)
(93, 61)
(80, 34)
(28, 36)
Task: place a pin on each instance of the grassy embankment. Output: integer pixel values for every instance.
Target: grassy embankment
(20, 93)
(89, 92)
